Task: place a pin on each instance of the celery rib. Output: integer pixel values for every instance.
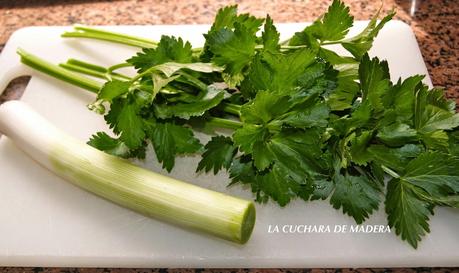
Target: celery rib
(125, 184)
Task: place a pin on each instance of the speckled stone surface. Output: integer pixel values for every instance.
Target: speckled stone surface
(245, 270)
(435, 23)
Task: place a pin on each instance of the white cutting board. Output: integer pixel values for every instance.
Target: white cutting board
(46, 221)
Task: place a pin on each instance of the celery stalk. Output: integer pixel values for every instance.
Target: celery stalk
(117, 180)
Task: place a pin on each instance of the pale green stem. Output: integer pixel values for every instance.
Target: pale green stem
(118, 66)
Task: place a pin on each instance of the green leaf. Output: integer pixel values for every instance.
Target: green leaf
(454, 142)
(361, 117)
(278, 72)
(299, 153)
(437, 98)
(401, 98)
(429, 180)
(335, 23)
(262, 157)
(397, 134)
(109, 91)
(125, 120)
(437, 173)
(170, 68)
(275, 184)
(131, 126)
(246, 136)
(159, 82)
(314, 116)
(227, 16)
(232, 49)
(449, 201)
(361, 43)
(394, 158)
(318, 79)
(169, 49)
(344, 95)
(113, 114)
(332, 26)
(219, 153)
(233, 80)
(405, 212)
(170, 140)
(278, 186)
(113, 146)
(242, 171)
(322, 188)
(265, 107)
(113, 89)
(433, 114)
(187, 110)
(250, 22)
(259, 78)
(356, 195)
(434, 118)
(358, 149)
(305, 38)
(374, 81)
(436, 140)
(336, 60)
(270, 36)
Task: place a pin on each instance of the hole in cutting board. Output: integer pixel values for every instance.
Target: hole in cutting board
(15, 89)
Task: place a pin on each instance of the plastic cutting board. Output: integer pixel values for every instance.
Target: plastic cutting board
(45, 221)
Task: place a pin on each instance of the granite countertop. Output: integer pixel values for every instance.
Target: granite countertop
(435, 23)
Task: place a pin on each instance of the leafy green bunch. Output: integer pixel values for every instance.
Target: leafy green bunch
(156, 104)
(306, 122)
